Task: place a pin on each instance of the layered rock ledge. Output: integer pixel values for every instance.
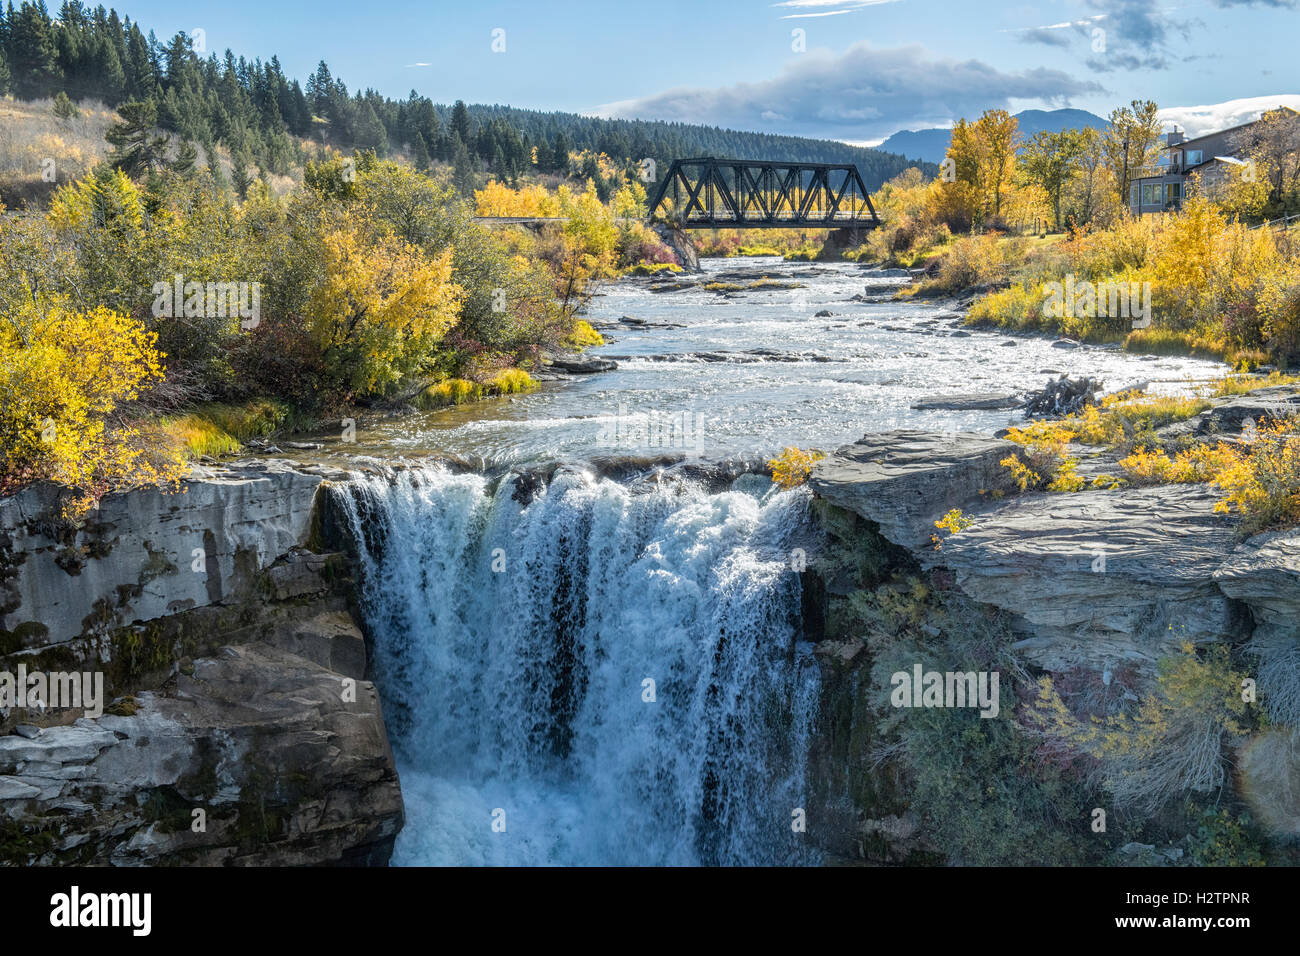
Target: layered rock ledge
(1092, 577)
(238, 724)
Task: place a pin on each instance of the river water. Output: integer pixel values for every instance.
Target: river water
(746, 373)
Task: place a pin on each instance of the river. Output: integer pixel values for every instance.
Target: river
(748, 373)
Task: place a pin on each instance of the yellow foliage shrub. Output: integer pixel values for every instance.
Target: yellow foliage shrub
(511, 381)
(1242, 384)
(64, 376)
(1175, 740)
(498, 199)
(458, 391)
(793, 466)
(583, 336)
(1262, 480)
(954, 521)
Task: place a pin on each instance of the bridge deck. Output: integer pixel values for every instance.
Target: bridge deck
(841, 222)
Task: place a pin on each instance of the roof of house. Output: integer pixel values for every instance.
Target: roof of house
(1213, 159)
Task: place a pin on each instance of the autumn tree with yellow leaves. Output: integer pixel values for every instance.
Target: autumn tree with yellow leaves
(64, 377)
(380, 309)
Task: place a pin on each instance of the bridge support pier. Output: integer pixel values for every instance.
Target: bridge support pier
(681, 244)
(840, 239)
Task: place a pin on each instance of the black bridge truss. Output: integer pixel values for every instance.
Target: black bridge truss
(712, 193)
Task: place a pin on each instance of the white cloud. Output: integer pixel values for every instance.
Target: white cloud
(832, 3)
(1197, 120)
(863, 93)
(845, 6)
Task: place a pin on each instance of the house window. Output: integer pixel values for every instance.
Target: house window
(1193, 157)
(1151, 194)
(1173, 192)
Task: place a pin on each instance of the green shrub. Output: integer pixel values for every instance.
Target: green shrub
(1224, 840)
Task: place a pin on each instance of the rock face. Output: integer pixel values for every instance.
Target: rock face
(680, 243)
(238, 725)
(1265, 574)
(904, 480)
(146, 554)
(254, 757)
(1093, 587)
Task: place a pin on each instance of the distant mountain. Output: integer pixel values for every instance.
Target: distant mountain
(931, 145)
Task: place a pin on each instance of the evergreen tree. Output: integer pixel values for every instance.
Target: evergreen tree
(320, 90)
(107, 75)
(63, 107)
(369, 131)
(463, 176)
(424, 120)
(185, 160)
(560, 154)
(420, 153)
(32, 52)
(136, 149)
(460, 123)
(141, 74)
(214, 167)
(240, 177)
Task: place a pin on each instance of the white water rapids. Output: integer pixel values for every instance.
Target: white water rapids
(514, 645)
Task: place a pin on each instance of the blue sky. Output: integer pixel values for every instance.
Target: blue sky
(867, 69)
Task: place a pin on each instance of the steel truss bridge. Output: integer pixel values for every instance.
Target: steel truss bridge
(709, 193)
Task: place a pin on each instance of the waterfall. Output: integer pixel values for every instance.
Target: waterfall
(602, 674)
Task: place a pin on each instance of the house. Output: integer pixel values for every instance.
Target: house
(1211, 157)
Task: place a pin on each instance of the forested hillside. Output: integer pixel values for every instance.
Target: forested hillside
(262, 115)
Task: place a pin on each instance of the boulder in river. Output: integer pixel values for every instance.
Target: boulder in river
(583, 364)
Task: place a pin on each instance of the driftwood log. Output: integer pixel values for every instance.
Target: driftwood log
(1062, 396)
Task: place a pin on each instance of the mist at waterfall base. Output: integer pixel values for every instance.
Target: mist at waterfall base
(515, 642)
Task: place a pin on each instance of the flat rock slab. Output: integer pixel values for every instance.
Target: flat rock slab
(976, 401)
(583, 365)
(905, 480)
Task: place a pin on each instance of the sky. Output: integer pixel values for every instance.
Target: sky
(858, 71)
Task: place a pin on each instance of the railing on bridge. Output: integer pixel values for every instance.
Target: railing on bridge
(709, 193)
